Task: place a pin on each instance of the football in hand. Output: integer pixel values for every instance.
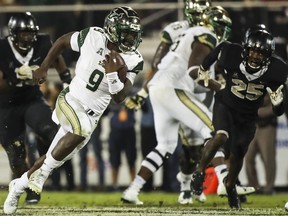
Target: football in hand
(122, 71)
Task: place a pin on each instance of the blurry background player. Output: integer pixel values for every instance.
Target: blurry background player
(178, 103)
(192, 142)
(21, 102)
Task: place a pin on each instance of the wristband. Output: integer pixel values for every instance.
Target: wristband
(114, 83)
(142, 92)
(65, 76)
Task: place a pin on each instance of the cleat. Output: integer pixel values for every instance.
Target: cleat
(37, 180)
(197, 180)
(11, 203)
(131, 196)
(241, 190)
(185, 197)
(32, 197)
(202, 198)
(233, 199)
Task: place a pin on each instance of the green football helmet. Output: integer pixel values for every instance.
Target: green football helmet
(122, 27)
(194, 9)
(217, 19)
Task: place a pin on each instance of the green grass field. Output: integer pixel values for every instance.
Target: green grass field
(156, 203)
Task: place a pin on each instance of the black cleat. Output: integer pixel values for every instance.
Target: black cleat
(197, 180)
(32, 197)
(233, 199)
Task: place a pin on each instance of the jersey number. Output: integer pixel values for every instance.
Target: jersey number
(95, 80)
(176, 43)
(253, 90)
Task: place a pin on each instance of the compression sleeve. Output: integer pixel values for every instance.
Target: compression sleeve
(213, 56)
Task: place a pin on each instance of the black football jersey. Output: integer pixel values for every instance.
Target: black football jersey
(245, 92)
(20, 91)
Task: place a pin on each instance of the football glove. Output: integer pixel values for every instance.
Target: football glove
(204, 75)
(277, 96)
(25, 72)
(135, 102)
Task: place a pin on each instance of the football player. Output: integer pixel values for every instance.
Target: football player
(82, 103)
(171, 93)
(21, 102)
(251, 71)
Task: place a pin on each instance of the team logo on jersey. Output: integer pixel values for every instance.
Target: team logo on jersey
(235, 75)
(36, 59)
(100, 51)
(101, 62)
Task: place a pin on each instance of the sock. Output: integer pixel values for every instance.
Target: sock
(221, 172)
(138, 183)
(22, 183)
(50, 163)
(185, 181)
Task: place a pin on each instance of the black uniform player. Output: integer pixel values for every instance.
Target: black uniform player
(251, 71)
(22, 103)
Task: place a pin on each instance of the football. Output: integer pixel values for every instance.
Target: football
(122, 71)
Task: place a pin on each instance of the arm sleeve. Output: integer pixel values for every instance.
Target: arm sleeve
(213, 56)
(74, 42)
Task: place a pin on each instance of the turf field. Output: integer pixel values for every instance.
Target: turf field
(156, 204)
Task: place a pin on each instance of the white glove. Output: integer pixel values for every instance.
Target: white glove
(277, 96)
(204, 75)
(25, 72)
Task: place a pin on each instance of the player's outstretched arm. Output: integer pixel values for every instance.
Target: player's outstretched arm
(62, 43)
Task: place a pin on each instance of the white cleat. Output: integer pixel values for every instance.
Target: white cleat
(202, 198)
(131, 196)
(37, 180)
(11, 203)
(185, 198)
(241, 190)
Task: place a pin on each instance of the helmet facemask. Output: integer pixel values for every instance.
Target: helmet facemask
(257, 50)
(122, 27)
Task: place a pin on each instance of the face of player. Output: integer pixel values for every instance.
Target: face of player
(255, 59)
(25, 41)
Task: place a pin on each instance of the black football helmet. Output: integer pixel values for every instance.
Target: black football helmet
(194, 9)
(257, 50)
(122, 27)
(252, 29)
(23, 22)
(217, 19)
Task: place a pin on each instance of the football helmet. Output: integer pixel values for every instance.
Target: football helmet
(23, 30)
(252, 29)
(122, 27)
(257, 50)
(194, 9)
(217, 19)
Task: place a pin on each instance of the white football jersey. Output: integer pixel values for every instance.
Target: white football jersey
(172, 70)
(172, 31)
(90, 85)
